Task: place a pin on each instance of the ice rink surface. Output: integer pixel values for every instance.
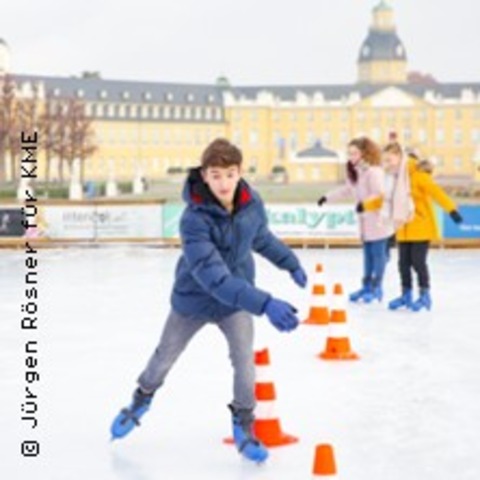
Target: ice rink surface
(408, 410)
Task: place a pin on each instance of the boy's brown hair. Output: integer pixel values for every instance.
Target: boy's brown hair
(369, 149)
(221, 153)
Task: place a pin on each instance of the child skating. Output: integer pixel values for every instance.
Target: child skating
(223, 223)
(365, 181)
(414, 236)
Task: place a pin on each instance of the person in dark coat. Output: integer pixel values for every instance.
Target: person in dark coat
(223, 223)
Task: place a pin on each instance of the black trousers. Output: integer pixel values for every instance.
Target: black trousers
(413, 255)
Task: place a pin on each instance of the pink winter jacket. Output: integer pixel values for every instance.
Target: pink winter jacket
(370, 185)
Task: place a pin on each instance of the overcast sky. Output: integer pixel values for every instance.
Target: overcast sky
(250, 41)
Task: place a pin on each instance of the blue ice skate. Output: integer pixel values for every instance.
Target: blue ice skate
(375, 293)
(404, 300)
(424, 301)
(245, 441)
(359, 294)
(129, 417)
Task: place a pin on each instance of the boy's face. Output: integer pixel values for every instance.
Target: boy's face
(222, 182)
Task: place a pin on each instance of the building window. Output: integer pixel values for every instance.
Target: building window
(218, 114)
(167, 112)
(178, 113)
(457, 136)
(254, 115)
(102, 94)
(198, 113)
(253, 138)
(300, 174)
(190, 97)
(458, 114)
(440, 114)
(422, 135)
(293, 141)
(476, 136)
(407, 135)
(457, 162)
(208, 113)
(80, 93)
(147, 96)
(125, 95)
(211, 98)
(440, 135)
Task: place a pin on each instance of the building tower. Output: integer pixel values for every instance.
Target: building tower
(4, 57)
(382, 59)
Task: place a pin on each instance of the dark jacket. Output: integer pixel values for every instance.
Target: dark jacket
(215, 275)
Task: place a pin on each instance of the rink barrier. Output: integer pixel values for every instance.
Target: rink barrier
(152, 222)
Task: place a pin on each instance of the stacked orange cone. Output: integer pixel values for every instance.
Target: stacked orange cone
(324, 462)
(267, 426)
(338, 342)
(318, 311)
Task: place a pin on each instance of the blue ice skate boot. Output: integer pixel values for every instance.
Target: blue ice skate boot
(358, 295)
(374, 293)
(129, 417)
(404, 300)
(247, 445)
(423, 301)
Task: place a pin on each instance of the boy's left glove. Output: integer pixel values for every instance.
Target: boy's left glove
(299, 277)
(456, 217)
(359, 208)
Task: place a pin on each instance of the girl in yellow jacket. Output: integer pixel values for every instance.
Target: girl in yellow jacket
(416, 227)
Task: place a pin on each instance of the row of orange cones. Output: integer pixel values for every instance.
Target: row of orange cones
(267, 425)
(338, 342)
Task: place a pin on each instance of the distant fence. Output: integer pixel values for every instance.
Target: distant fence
(156, 222)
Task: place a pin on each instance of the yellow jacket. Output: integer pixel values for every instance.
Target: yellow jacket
(423, 226)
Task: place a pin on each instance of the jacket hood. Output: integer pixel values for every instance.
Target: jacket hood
(196, 193)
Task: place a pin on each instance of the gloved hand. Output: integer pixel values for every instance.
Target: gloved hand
(299, 277)
(456, 217)
(359, 208)
(321, 201)
(281, 314)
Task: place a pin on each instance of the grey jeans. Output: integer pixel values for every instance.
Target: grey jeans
(179, 330)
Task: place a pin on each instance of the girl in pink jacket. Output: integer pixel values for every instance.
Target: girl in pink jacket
(365, 181)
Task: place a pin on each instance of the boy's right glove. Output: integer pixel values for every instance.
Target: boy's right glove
(281, 314)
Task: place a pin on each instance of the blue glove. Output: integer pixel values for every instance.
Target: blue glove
(281, 314)
(299, 277)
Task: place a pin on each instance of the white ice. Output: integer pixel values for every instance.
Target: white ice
(409, 409)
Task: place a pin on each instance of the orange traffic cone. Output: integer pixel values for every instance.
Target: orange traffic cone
(324, 462)
(338, 343)
(266, 426)
(318, 311)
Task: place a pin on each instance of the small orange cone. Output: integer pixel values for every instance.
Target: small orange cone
(324, 462)
(267, 426)
(318, 311)
(338, 343)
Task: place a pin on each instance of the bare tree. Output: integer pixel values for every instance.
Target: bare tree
(7, 116)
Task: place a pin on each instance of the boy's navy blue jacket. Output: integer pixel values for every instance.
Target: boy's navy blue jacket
(215, 274)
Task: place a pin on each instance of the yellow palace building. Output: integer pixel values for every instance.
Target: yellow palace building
(156, 128)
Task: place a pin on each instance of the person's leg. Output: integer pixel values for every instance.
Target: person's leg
(404, 267)
(176, 335)
(367, 274)
(239, 332)
(419, 262)
(378, 252)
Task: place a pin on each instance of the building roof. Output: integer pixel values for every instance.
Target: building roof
(317, 151)
(382, 45)
(128, 91)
